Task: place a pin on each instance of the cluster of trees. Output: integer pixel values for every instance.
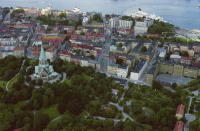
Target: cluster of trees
(162, 118)
(62, 15)
(47, 20)
(195, 125)
(9, 67)
(6, 10)
(119, 61)
(159, 26)
(49, 29)
(96, 109)
(143, 49)
(97, 18)
(11, 120)
(17, 11)
(184, 53)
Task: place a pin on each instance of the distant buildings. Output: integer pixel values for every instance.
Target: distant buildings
(76, 16)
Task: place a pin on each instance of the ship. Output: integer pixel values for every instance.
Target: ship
(140, 13)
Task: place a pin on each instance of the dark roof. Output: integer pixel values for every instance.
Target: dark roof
(140, 65)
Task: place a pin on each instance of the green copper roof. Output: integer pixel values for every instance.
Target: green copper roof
(42, 54)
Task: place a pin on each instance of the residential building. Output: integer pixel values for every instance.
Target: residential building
(180, 111)
(71, 30)
(19, 51)
(76, 16)
(91, 14)
(8, 41)
(47, 10)
(44, 71)
(123, 70)
(85, 21)
(32, 13)
(141, 26)
(179, 126)
(185, 60)
(139, 69)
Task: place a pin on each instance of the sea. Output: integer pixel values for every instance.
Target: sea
(182, 13)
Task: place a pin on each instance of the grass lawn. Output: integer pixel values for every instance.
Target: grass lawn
(16, 106)
(52, 111)
(3, 84)
(197, 114)
(67, 81)
(83, 113)
(12, 82)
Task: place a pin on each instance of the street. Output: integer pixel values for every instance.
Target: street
(28, 53)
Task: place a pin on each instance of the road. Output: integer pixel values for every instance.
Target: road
(14, 77)
(105, 53)
(28, 53)
(7, 17)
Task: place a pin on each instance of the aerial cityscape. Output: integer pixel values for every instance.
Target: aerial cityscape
(74, 70)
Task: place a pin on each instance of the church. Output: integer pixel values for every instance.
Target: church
(44, 71)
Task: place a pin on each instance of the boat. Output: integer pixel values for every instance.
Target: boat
(140, 13)
(199, 4)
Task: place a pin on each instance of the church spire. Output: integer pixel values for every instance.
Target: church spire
(42, 54)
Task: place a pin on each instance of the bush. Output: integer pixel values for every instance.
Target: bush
(40, 82)
(28, 78)
(33, 82)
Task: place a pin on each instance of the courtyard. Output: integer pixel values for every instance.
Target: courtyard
(172, 78)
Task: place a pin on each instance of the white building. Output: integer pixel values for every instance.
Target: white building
(113, 22)
(125, 24)
(122, 71)
(84, 61)
(47, 10)
(139, 69)
(141, 27)
(162, 55)
(117, 23)
(85, 21)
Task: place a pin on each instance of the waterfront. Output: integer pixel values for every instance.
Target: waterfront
(182, 13)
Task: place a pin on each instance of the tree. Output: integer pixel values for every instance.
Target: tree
(143, 49)
(128, 128)
(108, 123)
(120, 125)
(183, 119)
(120, 45)
(40, 121)
(45, 101)
(49, 29)
(40, 82)
(174, 85)
(119, 61)
(82, 33)
(137, 95)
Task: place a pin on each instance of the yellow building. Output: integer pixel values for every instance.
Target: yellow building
(96, 24)
(178, 70)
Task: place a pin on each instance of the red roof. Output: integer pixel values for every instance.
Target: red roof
(108, 108)
(180, 109)
(186, 58)
(18, 48)
(196, 64)
(179, 126)
(64, 52)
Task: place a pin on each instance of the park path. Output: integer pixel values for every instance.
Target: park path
(56, 118)
(15, 76)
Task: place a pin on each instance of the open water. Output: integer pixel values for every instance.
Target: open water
(182, 13)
